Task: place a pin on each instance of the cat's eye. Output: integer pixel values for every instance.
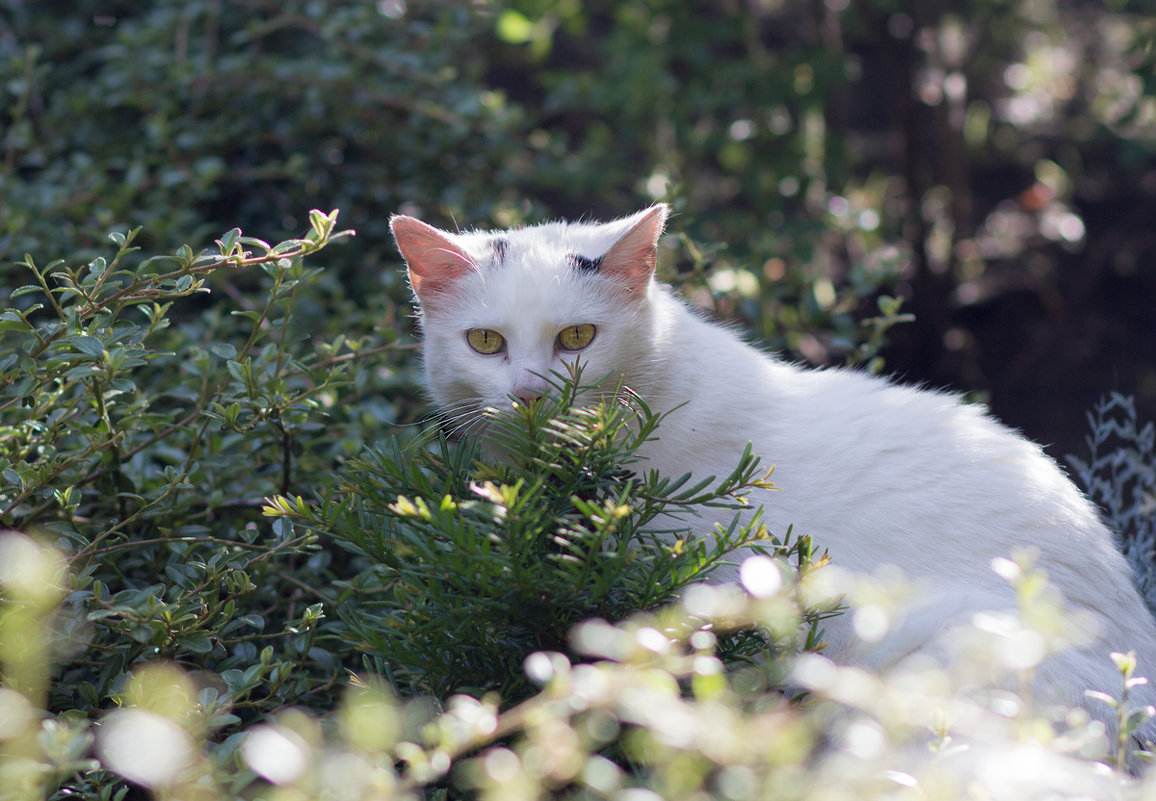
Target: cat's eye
(576, 337)
(485, 341)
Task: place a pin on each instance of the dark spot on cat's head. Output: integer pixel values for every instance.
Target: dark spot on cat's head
(499, 246)
(583, 264)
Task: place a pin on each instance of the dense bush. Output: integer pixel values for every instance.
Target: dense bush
(1119, 474)
(142, 447)
(648, 712)
(477, 565)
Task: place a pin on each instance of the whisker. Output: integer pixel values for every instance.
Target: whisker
(459, 256)
(462, 417)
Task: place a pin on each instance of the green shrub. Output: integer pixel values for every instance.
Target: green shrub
(140, 440)
(474, 566)
(647, 710)
(1119, 474)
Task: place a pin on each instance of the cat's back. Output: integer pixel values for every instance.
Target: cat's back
(911, 460)
(876, 470)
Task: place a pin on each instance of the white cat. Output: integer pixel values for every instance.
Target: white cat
(877, 473)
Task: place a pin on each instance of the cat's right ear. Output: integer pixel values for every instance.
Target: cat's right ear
(632, 259)
(434, 261)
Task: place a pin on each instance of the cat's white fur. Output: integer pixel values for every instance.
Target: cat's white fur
(876, 472)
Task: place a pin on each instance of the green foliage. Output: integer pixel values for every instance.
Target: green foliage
(647, 709)
(189, 118)
(518, 552)
(139, 435)
(1119, 474)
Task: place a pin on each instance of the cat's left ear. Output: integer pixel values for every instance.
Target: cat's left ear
(632, 259)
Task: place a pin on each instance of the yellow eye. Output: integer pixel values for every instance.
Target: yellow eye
(576, 337)
(485, 341)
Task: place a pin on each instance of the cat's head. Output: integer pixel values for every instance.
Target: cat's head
(501, 310)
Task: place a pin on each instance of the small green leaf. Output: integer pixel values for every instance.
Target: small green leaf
(234, 679)
(223, 349)
(238, 370)
(283, 528)
(254, 242)
(89, 346)
(288, 246)
(1138, 717)
(228, 241)
(321, 223)
(198, 643)
(1104, 697)
(256, 621)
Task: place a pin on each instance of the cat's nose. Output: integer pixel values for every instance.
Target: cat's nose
(527, 394)
(529, 387)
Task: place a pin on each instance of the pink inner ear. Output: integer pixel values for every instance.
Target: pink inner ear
(433, 259)
(632, 259)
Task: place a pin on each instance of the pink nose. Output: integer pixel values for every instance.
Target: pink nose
(527, 394)
(530, 386)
